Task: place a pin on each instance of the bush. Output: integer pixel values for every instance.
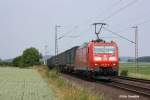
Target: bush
(124, 73)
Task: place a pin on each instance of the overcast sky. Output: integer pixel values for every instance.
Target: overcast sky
(30, 23)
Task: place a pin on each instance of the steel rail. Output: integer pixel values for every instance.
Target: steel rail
(133, 79)
(131, 87)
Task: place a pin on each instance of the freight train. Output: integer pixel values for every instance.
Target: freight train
(90, 59)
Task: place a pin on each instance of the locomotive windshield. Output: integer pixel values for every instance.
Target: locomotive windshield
(104, 49)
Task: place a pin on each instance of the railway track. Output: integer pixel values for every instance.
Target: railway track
(134, 85)
(130, 86)
(134, 79)
(139, 86)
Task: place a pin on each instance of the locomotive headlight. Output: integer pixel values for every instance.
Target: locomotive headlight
(97, 58)
(114, 64)
(112, 58)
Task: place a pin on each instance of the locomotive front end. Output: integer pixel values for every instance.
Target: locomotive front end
(104, 58)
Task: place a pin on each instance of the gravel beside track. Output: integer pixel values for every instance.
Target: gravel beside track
(103, 88)
(23, 84)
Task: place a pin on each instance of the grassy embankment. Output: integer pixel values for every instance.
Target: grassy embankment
(65, 90)
(142, 72)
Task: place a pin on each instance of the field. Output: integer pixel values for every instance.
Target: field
(23, 84)
(142, 72)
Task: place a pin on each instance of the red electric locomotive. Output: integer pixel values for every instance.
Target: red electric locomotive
(94, 58)
(91, 59)
(98, 58)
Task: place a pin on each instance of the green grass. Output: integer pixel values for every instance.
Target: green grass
(64, 89)
(143, 70)
(132, 64)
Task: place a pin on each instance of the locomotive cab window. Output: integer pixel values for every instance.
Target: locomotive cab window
(104, 49)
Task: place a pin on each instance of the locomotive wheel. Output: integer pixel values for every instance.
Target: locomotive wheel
(90, 76)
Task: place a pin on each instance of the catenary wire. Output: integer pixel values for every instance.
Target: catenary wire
(118, 35)
(119, 10)
(89, 20)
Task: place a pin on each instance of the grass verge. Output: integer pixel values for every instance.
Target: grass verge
(64, 89)
(143, 70)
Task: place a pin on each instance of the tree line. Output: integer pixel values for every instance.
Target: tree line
(29, 57)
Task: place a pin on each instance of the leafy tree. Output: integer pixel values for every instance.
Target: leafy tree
(31, 56)
(18, 61)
